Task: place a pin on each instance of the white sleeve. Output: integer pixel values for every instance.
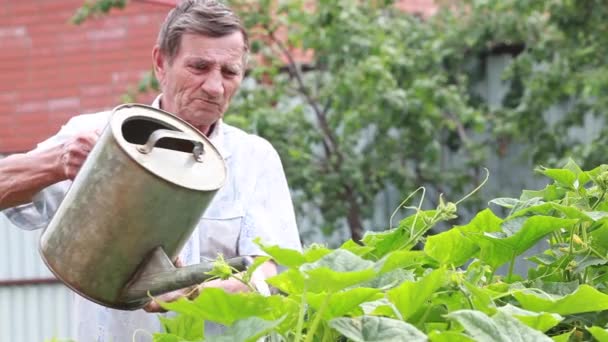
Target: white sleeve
(269, 214)
(38, 213)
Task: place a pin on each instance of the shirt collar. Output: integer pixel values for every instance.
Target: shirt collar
(216, 137)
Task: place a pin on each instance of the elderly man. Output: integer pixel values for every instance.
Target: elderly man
(199, 61)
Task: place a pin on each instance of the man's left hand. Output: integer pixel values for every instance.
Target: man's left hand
(153, 306)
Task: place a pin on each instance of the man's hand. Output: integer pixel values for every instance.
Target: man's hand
(153, 306)
(75, 151)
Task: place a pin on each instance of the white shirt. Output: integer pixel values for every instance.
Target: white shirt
(254, 202)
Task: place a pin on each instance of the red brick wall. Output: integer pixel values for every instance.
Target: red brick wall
(51, 70)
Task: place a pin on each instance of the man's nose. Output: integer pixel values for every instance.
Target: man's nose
(213, 85)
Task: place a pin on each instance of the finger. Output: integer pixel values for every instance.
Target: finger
(86, 141)
(76, 149)
(153, 307)
(179, 262)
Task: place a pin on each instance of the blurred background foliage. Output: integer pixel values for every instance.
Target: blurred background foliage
(360, 97)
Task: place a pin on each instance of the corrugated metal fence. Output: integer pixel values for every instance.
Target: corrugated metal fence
(33, 305)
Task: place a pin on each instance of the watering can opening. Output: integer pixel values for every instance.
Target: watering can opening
(138, 130)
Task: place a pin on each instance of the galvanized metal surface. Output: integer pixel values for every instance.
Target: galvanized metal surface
(122, 206)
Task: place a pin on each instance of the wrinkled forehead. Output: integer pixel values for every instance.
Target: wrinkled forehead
(230, 48)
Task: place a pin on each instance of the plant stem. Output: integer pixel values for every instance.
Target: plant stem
(571, 248)
(511, 266)
(599, 200)
(300, 324)
(315, 323)
(390, 220)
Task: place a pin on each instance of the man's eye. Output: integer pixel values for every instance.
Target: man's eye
(199, 67)
(230, 73)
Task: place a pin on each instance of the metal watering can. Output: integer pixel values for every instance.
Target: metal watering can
(132, 207)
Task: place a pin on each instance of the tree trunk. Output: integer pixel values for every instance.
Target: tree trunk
(354, 217)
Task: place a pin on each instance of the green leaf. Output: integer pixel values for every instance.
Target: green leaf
(246, 330)
(448, 336)
(337, 271)
(563, 177)
(453, 247)
(376, 329)
(600, 334)
(481, 298)
(385, 281)
(315, 252)
(356, 248)
(550, 193)
(257, 262)
(409, 297)
(400, 259)
(584, 299)
(394, 239)
(380, 307)
(500, 328)
(565, 337)
(541, 321)
(290, 281)
(283, 256)
(326, 280)
(450, 247)
(342, 303)
(216, 305)
(496, 251)
(187, 327)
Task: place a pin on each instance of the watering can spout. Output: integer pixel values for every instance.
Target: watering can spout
(158, 275)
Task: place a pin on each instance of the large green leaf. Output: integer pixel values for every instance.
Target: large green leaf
(336, 271)
(565, 337)
(409, 297)
(499, 328)
(584, 299)
(376, 329)
(216, 305)
(453, 247)
(187, 327)
(496, 251)
(448, 336)
(600, 334)
(283, 256)
(450, 247)
(541, 321)
(394, 239)
(563, 177)
(400, 259)
(341, 303)
(246, 330)
(290, 281)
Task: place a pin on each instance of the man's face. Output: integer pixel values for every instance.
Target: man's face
(200, 82)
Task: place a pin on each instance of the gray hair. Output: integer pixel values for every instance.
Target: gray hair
(209, 18)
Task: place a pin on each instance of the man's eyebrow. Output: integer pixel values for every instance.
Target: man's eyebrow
(202, 61)
(232, 66)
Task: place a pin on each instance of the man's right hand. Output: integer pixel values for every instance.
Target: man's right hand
(75, 151)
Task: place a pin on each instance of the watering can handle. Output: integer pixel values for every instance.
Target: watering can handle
(159, 134)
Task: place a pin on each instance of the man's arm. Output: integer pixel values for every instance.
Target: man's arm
(24, 175)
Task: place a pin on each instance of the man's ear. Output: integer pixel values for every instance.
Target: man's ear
(158, 59)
